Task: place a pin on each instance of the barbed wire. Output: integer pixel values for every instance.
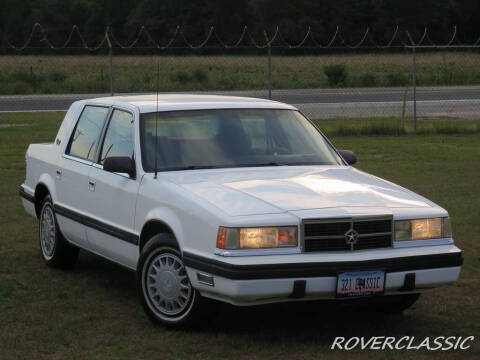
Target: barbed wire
(276, 40)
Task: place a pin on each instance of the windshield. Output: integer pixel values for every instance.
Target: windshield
(231, 138)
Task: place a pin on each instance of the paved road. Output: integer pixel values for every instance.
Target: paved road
(438, 101)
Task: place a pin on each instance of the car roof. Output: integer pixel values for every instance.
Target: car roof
(171, 102)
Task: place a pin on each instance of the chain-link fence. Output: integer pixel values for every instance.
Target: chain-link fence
(403, 79)
(447, 81)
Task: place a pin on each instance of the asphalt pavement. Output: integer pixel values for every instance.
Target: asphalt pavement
(320, 103)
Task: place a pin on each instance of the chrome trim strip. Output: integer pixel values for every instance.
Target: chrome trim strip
(418, 243)
(74, 158)
(333, 237)
(375, 234)
(326, 237)
(257, 252)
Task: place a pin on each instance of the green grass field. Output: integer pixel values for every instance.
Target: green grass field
(93, 312)
(41, 74)
(397, 126)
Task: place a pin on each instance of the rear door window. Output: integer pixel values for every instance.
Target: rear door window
(84, 141)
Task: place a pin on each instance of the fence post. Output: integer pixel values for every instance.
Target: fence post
(269, 60)
(414, 80)
(110, 59)
(269, 71)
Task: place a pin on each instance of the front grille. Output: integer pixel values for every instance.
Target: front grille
(375, 226)
(324, 229)
(324, 235)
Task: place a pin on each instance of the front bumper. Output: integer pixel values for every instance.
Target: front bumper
(253, 284)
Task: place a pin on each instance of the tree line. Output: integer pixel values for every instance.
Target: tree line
(161, 17)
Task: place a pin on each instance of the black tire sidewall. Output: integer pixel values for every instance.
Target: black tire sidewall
(47, 202)
(163, 243)
(64, 255)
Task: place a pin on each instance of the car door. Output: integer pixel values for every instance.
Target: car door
(71, 178)
(112, 196)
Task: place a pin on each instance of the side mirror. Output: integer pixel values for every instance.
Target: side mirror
(348, 156)
(120, 164)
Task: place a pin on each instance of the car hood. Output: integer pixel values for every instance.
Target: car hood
(249, 191)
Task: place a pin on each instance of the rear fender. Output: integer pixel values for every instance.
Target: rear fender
(49, 182)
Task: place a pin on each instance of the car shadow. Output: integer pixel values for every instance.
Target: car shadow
(105, 274)
(301, 322)
(310, 321)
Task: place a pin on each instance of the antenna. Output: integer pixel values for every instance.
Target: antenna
(156, 121)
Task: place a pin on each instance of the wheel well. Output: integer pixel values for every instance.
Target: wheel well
(152, 228)
(40, 192)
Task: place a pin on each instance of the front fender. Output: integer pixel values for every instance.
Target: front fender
(170, 219)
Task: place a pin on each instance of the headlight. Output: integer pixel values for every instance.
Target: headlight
(423, 229)
(257, 238)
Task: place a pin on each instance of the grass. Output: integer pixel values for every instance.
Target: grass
(397, 126)
(41, 74)
(93, 312)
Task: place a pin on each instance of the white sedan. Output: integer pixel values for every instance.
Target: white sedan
(234, 199)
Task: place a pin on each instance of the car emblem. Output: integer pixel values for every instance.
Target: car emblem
(351, 237)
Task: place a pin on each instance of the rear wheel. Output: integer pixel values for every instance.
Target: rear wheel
(164, 288)
(55, 250)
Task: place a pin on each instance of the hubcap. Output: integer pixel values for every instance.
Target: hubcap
(167, 284)
(47, 232)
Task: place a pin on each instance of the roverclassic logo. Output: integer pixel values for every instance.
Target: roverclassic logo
(351, 237)
(442, 343)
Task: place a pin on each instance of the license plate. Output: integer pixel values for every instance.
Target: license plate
(360, 283)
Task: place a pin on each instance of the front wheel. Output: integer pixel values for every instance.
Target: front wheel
(164, 288)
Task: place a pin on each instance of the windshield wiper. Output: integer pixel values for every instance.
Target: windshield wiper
(273, 163)
(198, 167)
(192, 167)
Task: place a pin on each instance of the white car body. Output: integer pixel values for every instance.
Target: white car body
(108, 214)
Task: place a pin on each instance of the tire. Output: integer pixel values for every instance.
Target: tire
(395, 304)
(55, 250)
(164, 288)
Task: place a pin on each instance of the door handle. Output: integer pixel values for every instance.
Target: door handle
(59, 174)
(91, 185)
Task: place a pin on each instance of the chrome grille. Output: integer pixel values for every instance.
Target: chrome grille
(329, 234)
